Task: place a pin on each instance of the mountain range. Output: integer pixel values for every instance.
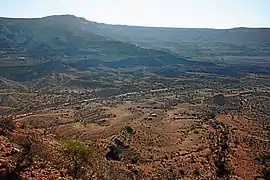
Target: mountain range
(31, 47)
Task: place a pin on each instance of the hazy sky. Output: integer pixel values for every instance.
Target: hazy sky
(169, 13)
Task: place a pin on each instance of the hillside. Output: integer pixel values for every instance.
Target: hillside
(34, 48)
(196, 43)
(85, 100)
(64, 37)
(70, 36)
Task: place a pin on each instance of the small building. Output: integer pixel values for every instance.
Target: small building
(154, 115)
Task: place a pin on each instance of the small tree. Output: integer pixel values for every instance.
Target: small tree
(78, 153)
(127, 132)
(6, 125)
(209, 115)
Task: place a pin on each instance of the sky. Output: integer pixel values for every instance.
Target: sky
(218, 14)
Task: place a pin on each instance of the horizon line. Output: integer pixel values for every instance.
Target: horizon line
(133, 25)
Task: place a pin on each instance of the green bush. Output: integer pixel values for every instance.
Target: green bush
(6, 125)
(128, 131)
(208, 116)
(197, 172)
(78, 153)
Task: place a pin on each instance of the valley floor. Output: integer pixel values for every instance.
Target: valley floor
(163, 134)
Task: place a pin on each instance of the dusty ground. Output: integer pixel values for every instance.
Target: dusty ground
(167, 143)
(179, 144)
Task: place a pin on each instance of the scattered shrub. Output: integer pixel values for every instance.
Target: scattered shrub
(208, 116)
(6, 125)
(182, 172)
(197, 172)
(78, 153)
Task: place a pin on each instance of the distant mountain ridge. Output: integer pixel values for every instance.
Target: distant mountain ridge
(67, 35)
(32, 48)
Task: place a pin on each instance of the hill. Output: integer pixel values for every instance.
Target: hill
(70, 36)
(34, 48)
(85, 100)
(64, 37)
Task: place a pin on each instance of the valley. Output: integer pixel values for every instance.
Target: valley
(177, 128)
(160, 104)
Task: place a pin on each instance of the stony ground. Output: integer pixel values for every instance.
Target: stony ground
(136, 141)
